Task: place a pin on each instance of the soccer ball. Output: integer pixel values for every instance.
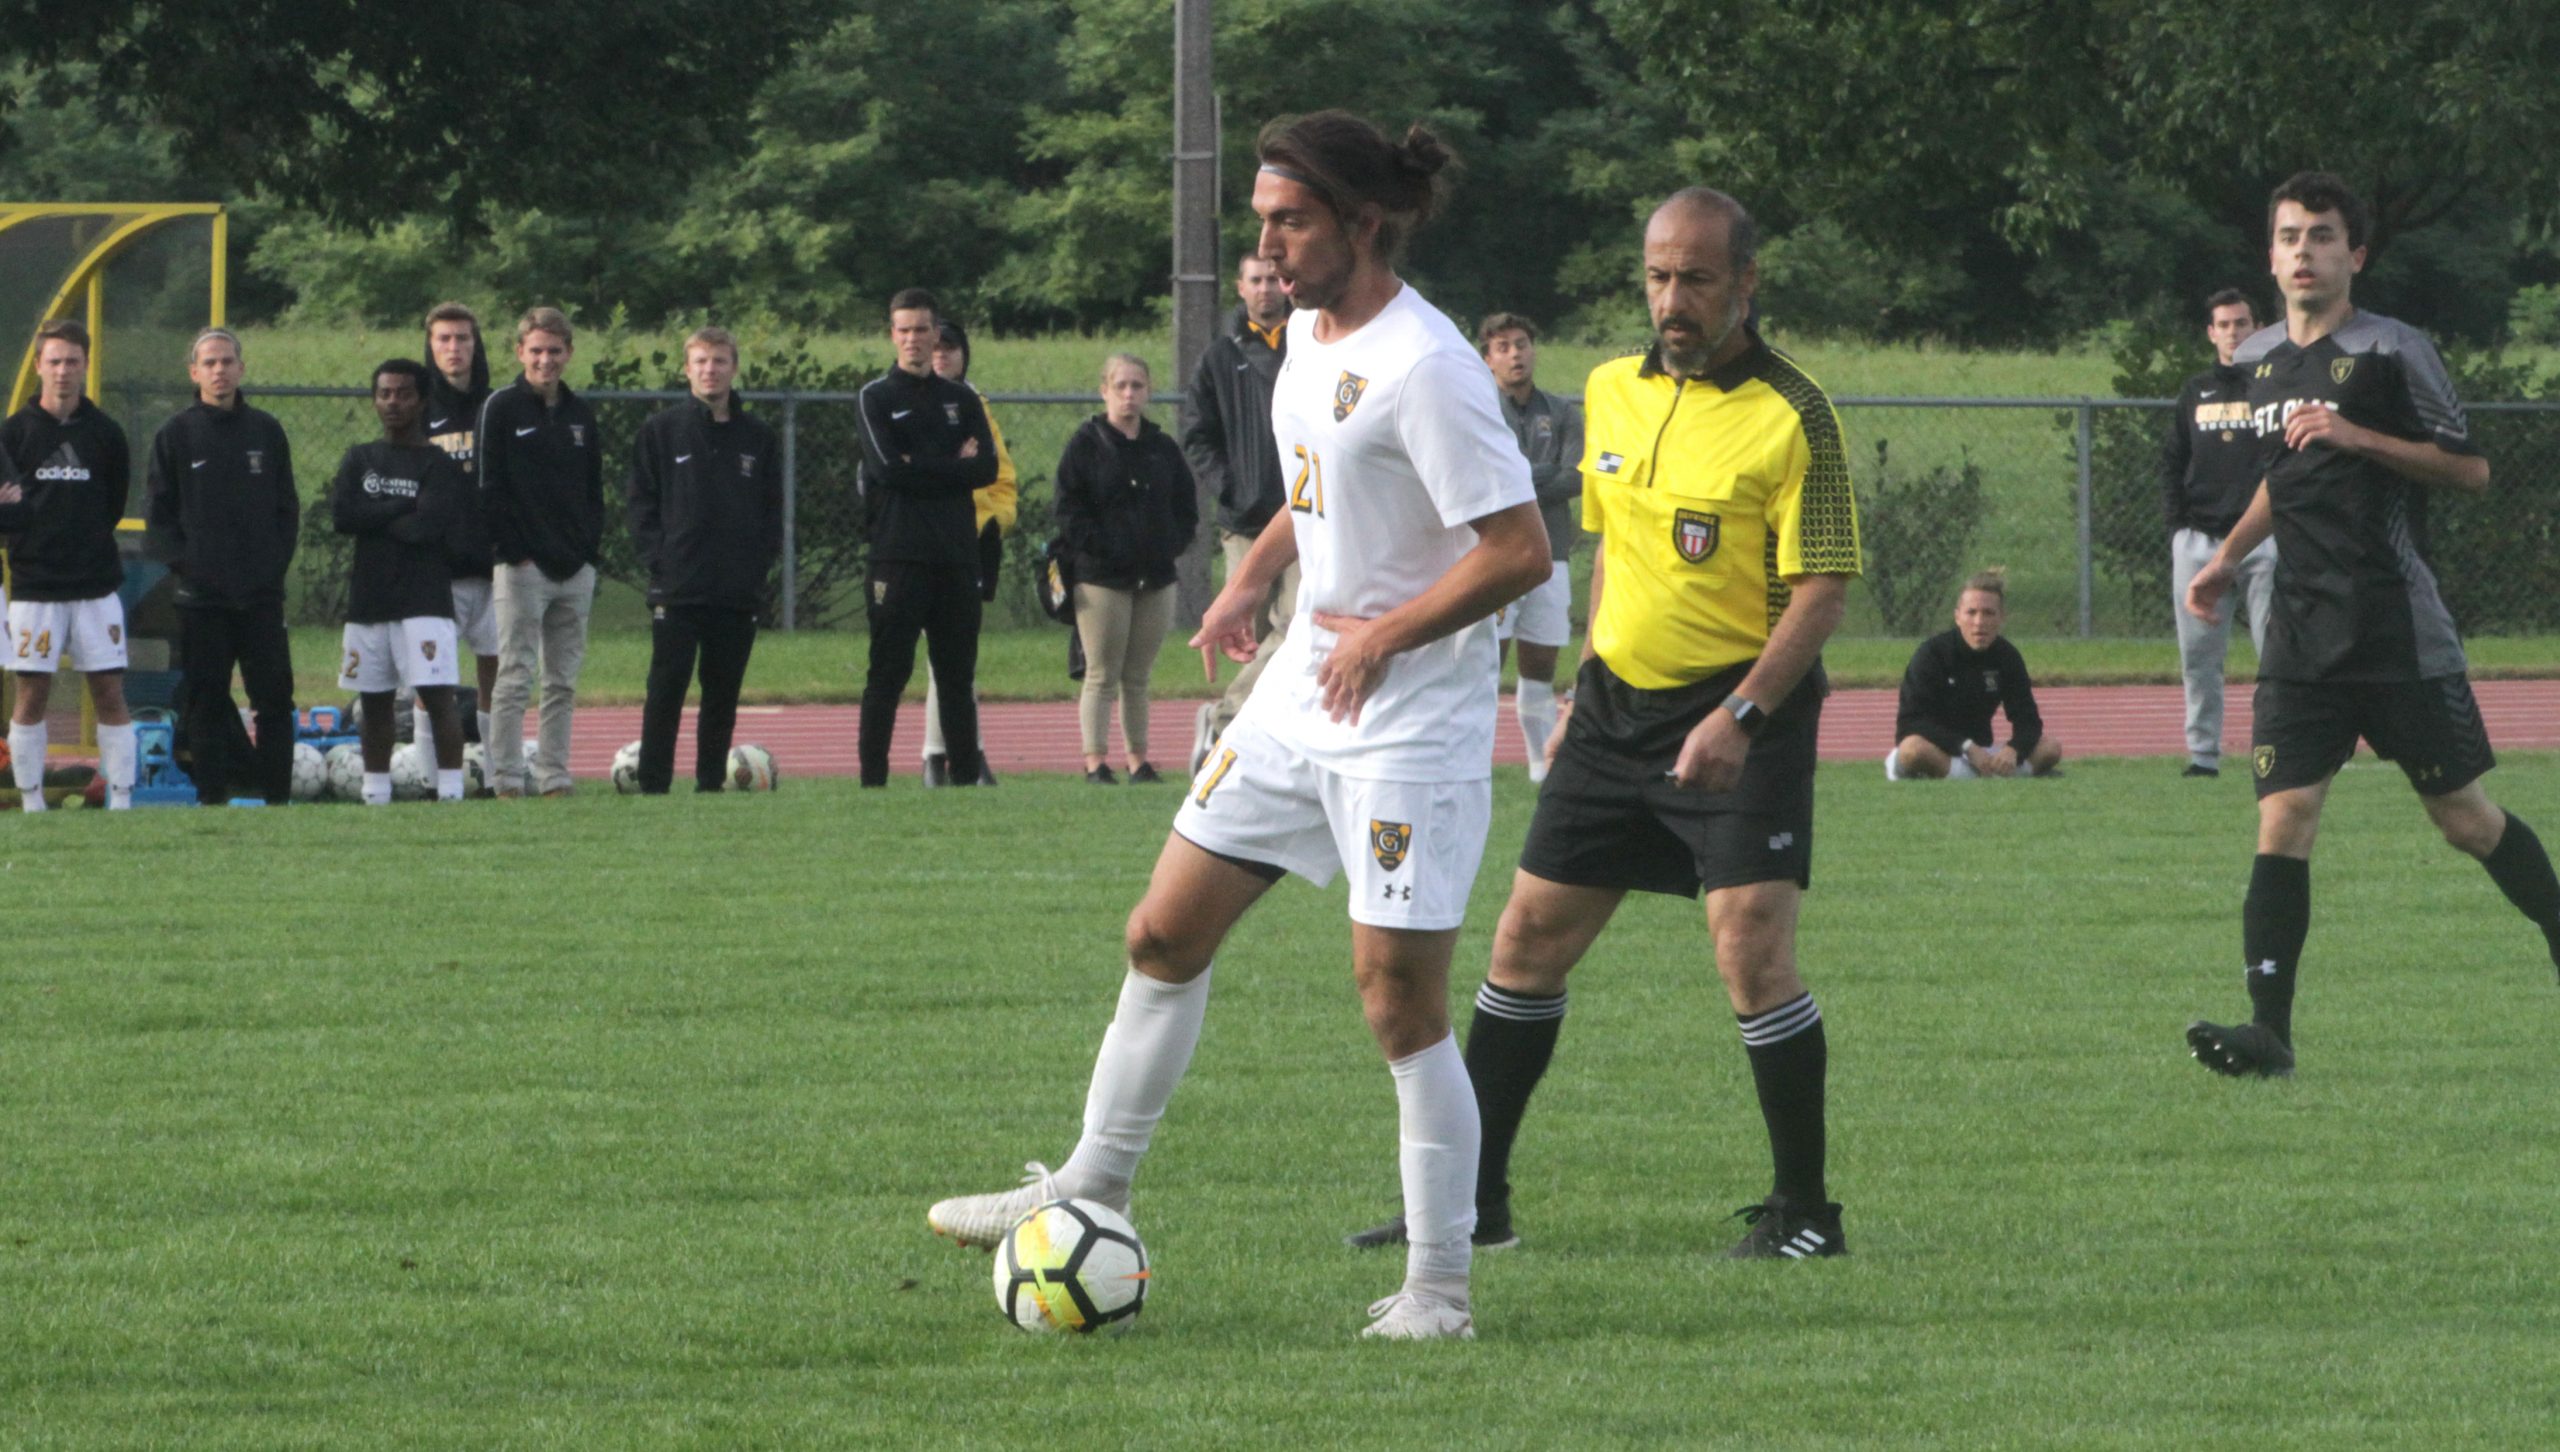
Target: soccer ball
(1071, 1265)
(475, 770)
(345, 766)
(310, 772)
(413, 774)
(751, 769)
(626, 769)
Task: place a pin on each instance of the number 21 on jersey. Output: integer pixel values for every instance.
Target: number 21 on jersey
(1306, 492)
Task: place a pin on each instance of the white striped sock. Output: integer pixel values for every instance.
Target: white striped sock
(1779, 1024)
(1518, 1007)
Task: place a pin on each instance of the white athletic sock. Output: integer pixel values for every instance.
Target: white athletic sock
(422, 729)
(448, 784)
(26, 764)
(1961, 769)
(1439, 1137)
(1144, 1054)
(116, 763)
(1536, 708)
(377, 788)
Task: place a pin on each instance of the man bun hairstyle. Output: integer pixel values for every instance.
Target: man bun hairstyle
(1993, 581)
(409, 368)
(1351, 164)
(2321, 191)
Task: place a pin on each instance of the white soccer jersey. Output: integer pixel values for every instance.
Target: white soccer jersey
(1391, 440)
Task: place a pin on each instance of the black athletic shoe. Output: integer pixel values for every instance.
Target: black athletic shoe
(1493, 1231)
(1782, 1231)
(2196, 769)
(1102, 776)
(986, 772)
(937, 770)
(1145, 775)
(2243, 1051)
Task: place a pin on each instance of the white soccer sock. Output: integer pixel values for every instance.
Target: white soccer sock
(1536, 708)
(1440, 1138)
(1144, 1054)
(422, 729)
(116, 763)
(26, 764)
(448, 784)
(377, 788)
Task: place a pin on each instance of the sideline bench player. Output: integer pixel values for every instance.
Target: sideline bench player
(2360, 424)
(1367, 750)
(401, 498)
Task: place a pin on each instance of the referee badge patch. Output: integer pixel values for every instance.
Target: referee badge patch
(1694, 535)
(1608, 463)
(1346, 394)
(1389, 841)
(2263, 760)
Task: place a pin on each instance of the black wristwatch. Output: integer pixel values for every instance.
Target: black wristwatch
(1746, 715)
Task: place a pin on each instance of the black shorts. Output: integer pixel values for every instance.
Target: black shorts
(2306, 730)
(1609, 816)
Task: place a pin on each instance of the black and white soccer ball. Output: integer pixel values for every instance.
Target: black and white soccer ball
(626, 769)
(751, 769)
(1071, 1265)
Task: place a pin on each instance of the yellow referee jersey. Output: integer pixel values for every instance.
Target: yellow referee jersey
(1709, 495)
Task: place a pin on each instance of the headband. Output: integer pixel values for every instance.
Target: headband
(1285, 174)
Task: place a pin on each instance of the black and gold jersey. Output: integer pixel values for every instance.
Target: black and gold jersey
(2355, 599)
(1709, 495)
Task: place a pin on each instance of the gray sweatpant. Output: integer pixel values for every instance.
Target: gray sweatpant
(537, 615)
(2202, 647)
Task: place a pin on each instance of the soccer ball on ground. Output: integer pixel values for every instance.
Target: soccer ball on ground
(750, 769)
(413, 774)
(626, 769)
(475, 770)
(310, 772)
(1071, 1265)
(345, 768)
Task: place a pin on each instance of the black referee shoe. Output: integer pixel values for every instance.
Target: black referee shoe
(1783, 1230)
(2242, 1051)
(1493, 1231)
(2198, 768)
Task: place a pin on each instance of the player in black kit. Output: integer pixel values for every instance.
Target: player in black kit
(402, 497)
(1957, 678)
(2359, 421)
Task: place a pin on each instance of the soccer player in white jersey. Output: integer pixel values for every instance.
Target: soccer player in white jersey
(1368, 748)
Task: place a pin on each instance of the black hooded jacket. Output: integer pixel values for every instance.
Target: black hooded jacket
(453, 425)
(73, 474)
(1126, 507)
(1226, 426)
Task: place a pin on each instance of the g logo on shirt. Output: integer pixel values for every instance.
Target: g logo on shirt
(1346, 394)
(1694, 534)
(1389, 841)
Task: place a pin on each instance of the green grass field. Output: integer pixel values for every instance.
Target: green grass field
(611, 1123)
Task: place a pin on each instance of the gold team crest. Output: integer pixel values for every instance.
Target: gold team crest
(1389, 841)
(1346, 394)
(427, 648)
(2339, 368)
(2263, 760)
(1694, 535)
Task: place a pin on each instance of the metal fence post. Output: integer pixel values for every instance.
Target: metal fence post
(791, 511)
(2083, 445)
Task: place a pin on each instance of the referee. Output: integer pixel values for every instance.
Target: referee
(1714, 475)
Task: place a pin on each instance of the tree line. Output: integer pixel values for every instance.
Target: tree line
(1979, 171)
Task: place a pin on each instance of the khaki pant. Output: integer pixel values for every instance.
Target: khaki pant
(1122, 631)
(1275, 623)
(537, 615)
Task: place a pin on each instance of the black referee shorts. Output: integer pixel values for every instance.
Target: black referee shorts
(2305, 730)
(1608, 815)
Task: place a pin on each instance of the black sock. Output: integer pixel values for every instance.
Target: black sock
(1508, 1046)
(2522, 870)
(2273, 922)
(1790, 1059)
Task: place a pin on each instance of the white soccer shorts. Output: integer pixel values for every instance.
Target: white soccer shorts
(475, 619)
(43, 632)
(418, 651)
(1544, 616)
(1411, 848)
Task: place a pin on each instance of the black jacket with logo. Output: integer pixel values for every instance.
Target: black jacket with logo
(1125, 506)
(1226, 426)
(223, 510)
(541, 479)
(453, 425)
(914, 482)
(706, 505)
(2209, 463)
(400, 501)
(1950, 690)
(73, 474)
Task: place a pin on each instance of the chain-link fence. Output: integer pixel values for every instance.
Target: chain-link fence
(2065, 493)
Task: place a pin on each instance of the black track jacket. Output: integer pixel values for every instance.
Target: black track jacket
(223, 510)
(913, 479)
(1226, 426)
(706, 505)
(542, 479)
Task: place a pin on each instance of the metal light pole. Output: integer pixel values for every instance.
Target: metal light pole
(1195, 255)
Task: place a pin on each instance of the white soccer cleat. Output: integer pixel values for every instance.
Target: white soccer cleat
(1415, 1316)
(984, 1220)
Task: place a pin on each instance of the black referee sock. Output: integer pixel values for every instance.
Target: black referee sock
(2522, 870)
(2273, 923)
(1508, 1047)
(1790, 1059)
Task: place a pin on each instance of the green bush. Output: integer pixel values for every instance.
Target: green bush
(1918, 530)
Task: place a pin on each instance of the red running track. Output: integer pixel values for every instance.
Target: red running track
(1856, 725)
